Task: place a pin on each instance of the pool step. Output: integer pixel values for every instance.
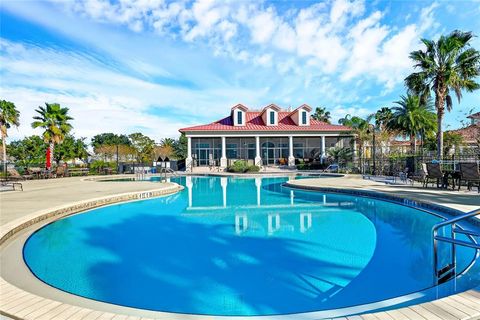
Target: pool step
(446, 273)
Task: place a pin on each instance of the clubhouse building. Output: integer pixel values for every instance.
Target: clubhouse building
(267, 137)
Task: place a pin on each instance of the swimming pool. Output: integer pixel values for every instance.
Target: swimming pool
(246, 246)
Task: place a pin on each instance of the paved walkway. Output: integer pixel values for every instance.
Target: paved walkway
(462, 200)
(43, 194)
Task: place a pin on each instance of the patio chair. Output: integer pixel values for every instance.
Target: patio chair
(419, 175)
(60, 172)
(434, 172)
(403, 175)
(470, 174)
(13, 174)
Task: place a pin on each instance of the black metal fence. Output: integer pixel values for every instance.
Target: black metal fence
(391, 166)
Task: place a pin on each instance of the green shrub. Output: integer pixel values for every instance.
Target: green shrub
(238, 166)
(302, 166)
(253, 168)
(97, 166)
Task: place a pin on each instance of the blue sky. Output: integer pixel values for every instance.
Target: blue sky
(155, 66)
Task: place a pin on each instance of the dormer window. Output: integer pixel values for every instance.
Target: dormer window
(239, 115)
(301, 115)
(269, 115)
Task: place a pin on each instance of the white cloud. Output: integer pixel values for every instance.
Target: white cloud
(381, 52)
(263, 60)
(331, 37)
(103, 99)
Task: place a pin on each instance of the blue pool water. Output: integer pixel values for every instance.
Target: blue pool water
(244, 246)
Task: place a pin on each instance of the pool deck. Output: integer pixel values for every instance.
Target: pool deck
(42, 196)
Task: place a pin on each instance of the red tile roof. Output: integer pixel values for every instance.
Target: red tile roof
(470, 134)
(474, 116)
(254, 122)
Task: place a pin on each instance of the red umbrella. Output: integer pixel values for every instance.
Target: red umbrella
(48, 164)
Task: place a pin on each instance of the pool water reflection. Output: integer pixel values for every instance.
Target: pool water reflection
(242, 246)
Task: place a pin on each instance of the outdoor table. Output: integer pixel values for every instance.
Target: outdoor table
(450, 174)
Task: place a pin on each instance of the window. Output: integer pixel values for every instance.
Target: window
(304, 117)
(272, 117)
(231, 151)
(239, 117)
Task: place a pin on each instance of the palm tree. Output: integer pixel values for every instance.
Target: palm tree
(382, 117)
(360, 127)
(9, 116)
(321, 114)
(54, 119)
(167, 142)
(411, 117)
(340, 153)
(449, 64)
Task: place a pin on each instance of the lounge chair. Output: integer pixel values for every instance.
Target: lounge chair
(434, 172)
(470, 174)
(12, 174)
(6, 184)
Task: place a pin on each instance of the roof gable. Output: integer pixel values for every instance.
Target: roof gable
(271, 106)
(240, 106)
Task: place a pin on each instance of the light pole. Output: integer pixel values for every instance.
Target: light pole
(118, 168)
(371, 128)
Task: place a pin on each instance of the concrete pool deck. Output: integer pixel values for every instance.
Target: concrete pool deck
(42, 195)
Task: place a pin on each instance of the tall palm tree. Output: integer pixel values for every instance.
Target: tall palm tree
(411, 117)
(447, 65)
(9, 116)
(55, 120)
(321, 114)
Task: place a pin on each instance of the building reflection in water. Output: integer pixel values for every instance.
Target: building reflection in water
(273, 222)
(270, 207)
(241, 223)
(305, 221)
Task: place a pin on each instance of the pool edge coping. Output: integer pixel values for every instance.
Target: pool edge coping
(12, 228)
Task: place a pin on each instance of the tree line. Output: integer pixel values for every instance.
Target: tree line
(57, 141)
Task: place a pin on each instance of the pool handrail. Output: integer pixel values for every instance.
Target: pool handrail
(440, 274)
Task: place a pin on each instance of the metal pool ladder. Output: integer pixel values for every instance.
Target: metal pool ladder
(447, 272)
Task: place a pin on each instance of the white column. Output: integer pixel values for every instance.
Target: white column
(223, 159)
(189, 185)
(241, 223)
(258, 157)
(273, 222)
(323, 149)
(305, 217)
(223, 183)
(291, 158)
(189, 160)
(258, 184)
